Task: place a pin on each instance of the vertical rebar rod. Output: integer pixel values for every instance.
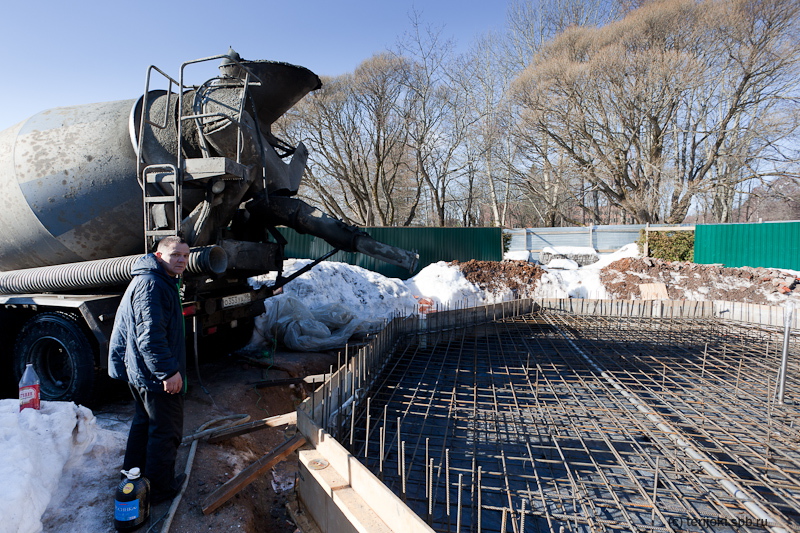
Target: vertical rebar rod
(447, 484)
(781, 389)
(430, 493)
(458, 505)
(428, 478)
(352, 416)
(479, 498)
(399, 462)
(705, 356)
(366, 434)
(738, 375)
(655, 491)
(382, 439)
(403, 467)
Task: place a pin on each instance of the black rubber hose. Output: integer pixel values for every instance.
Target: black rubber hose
(100, 273)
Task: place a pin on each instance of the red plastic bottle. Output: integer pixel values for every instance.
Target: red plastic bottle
(29, 389)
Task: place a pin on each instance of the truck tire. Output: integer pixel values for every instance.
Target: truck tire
(61, 354)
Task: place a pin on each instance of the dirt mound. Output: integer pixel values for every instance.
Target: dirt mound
(622, 278)
(497, 276)
(691, 281)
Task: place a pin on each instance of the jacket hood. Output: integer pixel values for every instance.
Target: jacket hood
(149, 264)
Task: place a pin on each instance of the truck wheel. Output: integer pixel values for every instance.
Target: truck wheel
(61, 354)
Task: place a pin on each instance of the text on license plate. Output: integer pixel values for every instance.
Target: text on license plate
(237, 299)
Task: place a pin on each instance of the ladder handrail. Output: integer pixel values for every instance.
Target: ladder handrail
(176, 170)
(143, 117)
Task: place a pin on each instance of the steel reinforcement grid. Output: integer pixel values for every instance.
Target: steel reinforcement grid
(555, 422)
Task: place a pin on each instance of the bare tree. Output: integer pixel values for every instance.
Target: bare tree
(483, 86)
(356, 129)
(545, 182)
(656, 109)
(772, 200)
(437, 121)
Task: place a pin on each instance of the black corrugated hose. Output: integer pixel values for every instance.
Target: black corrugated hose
(100, 273)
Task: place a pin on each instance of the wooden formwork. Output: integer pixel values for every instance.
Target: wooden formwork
(756, 314)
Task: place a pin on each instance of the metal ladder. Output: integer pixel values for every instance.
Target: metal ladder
(163, 209)
(159, 204)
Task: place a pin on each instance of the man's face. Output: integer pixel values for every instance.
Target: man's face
(174, 258)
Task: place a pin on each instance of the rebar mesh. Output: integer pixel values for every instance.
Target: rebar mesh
(551, 422)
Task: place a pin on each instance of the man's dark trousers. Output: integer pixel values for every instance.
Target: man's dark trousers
(154, 437)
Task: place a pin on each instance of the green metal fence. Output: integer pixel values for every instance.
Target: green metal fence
(432, 245)
(769, 244)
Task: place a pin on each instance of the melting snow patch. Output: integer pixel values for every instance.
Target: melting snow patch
(37, 446)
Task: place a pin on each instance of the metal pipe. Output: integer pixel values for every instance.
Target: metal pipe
(100, 273)
(298, 215)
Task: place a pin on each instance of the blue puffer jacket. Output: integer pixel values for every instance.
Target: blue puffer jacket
(147, 343)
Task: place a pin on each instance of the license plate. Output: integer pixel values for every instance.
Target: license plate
(237, 299)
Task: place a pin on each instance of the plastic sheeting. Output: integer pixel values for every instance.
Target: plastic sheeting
(299, 328)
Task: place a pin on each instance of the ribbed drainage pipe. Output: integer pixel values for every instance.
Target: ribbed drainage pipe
(100, 273)
(705, 462)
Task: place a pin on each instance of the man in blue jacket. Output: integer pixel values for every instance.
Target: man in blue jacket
(147, 349)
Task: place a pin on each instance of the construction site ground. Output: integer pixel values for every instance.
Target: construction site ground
(230, 387)
(229, 381)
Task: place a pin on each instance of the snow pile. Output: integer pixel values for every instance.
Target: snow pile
(569, 250)
(562, 263)
(324, 307)
(84, 500)
(446, 285)
(567, 280)
(37, 446)
(522, 255)
(629, 250)
(368, 295)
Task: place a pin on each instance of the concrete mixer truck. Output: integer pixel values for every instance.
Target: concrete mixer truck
(86, 190)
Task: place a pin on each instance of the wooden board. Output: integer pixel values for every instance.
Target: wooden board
(250, 474)
(241, 429)
(653, 291)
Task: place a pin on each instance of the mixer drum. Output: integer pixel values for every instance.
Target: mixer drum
(68, 187)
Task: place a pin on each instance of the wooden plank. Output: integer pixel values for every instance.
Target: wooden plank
(316, 378)
(670, 228)
(653, 291)
(249, 427)
(249, 474)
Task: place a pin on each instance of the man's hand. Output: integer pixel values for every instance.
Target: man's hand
(174, 384)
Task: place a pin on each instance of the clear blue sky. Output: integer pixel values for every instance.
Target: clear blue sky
(57, 53)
